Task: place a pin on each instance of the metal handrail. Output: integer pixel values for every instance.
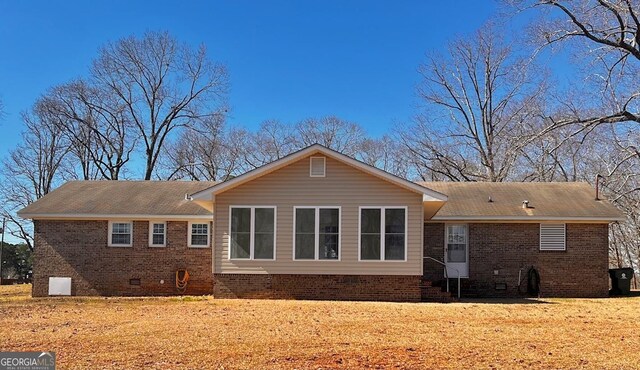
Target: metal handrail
(446, 273)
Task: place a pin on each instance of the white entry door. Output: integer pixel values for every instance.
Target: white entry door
(456, 250)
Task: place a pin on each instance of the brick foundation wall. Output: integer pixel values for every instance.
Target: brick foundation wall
(580, 271)
(78, 249)
(391, 288)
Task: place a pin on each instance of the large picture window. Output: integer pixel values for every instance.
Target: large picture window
(383, 233)
(317, 233)
(252, 233)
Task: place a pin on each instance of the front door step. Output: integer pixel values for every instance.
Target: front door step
(432, 293)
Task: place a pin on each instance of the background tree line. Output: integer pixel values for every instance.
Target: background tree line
(154, 108)
(16, 262)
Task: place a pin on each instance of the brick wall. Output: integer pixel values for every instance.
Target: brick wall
(433, 247)
(323, 287)
(78, 249)
(580, 271)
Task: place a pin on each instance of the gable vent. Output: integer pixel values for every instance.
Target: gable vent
(552, 237)
(317, 166)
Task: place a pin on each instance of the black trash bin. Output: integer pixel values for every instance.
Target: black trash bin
(621, 281)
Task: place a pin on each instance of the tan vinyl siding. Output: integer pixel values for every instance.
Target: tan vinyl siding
(343, 186)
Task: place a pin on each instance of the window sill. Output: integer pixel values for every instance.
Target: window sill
(199, 246)
(251, 259)
(119, 245)
(157, 246)
(315, 260)
(385, 261)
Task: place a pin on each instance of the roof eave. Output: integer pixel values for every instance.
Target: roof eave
(87, 216)
(596, 219)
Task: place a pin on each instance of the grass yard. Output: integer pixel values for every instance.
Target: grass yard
(201, 332)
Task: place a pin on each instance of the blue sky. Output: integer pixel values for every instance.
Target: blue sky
(287, 60)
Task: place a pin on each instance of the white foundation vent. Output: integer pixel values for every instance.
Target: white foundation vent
(59, 286)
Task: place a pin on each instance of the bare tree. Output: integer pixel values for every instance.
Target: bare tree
(211, 153)
(32, 169)
(275, 139)
(604, 36)
(97, 126)
(387, 154)
(478, 102)
(163, 84)
(272, 141)
(335, 133)
(557, 157)
(621, 184)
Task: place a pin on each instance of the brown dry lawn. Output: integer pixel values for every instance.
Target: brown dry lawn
(201, 332)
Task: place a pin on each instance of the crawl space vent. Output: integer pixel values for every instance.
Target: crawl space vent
(59, 286)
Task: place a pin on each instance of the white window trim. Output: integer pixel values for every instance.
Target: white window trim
(324, 166)
(110, 233)
(317, 233)
(151, 223)
(189, 226)
(252, 234)
(382, 232)
(564, 242)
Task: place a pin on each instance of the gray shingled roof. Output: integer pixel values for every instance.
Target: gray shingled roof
(467, 200)
(569, 200)
(120, 198)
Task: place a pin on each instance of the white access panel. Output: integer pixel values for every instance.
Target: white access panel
(59, 286)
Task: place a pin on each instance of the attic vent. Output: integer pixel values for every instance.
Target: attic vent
(317, 166)
(552, 237)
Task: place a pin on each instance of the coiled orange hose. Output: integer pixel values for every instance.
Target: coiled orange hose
(181, 284)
